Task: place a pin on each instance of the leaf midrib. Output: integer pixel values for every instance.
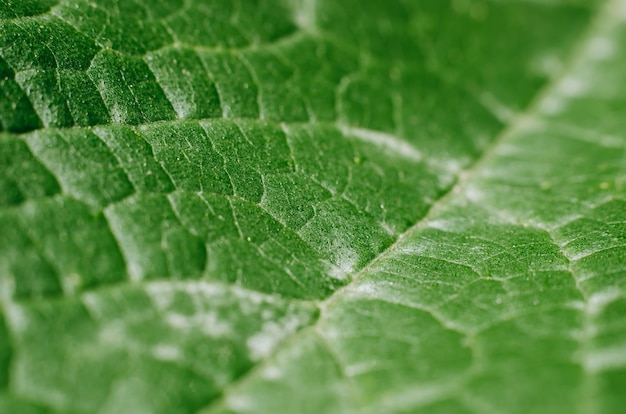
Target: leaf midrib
(518, 121)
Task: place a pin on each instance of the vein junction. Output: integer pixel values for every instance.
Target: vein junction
(183, 205)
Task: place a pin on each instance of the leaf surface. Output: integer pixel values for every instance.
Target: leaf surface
(312, 206)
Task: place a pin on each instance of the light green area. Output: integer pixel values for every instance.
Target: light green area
(312, 206)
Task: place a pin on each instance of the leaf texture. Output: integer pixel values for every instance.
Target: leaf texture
(312, 206)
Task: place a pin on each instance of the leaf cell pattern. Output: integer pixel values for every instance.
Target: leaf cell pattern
(312, 206)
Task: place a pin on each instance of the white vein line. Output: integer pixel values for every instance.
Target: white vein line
(383, 140)
(520, 121)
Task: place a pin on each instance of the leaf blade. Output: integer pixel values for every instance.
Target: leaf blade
(214, 200)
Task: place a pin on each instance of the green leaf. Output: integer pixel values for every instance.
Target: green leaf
(312, 206)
